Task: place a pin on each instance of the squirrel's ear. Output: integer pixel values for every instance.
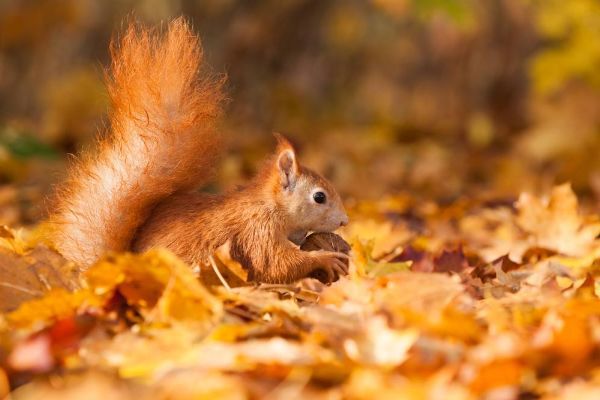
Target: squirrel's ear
(286, 163)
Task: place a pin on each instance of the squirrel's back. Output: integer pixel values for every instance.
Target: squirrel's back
(162, 140)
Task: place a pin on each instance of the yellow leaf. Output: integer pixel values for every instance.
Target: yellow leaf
(56, 304)
(157, 283)
(555, 223)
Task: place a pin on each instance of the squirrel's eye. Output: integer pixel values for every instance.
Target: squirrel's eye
(319, 197)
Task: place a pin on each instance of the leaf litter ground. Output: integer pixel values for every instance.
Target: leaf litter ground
(494, 300)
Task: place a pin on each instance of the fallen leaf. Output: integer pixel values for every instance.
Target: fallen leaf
(55, 305)
(555, 223)
(157, 284)
(33, 273)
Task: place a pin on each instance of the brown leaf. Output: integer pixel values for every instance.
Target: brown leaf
(157, 284)
(33, 274)
(555, 223)
(451, 261)
(231, 271)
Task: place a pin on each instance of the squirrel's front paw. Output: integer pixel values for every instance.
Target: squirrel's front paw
(332, 263)
(330, 256)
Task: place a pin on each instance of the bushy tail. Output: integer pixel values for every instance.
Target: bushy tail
(163, 139)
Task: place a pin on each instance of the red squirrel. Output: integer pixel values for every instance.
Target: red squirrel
(139, 189)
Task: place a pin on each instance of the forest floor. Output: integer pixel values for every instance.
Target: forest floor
(474, 299)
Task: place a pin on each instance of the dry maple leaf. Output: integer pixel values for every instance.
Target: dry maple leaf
(13, 240)
(223, 270)
(377, 333)
(158, 284)
(492, 233)
(555, 223)
(32, 274)
(56, 304)
(379, 345)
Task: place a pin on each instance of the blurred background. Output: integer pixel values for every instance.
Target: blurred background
(437, 98)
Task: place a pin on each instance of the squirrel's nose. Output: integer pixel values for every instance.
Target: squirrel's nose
(344, 221)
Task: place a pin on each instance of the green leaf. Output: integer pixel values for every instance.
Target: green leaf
(375, 269)
(24, 145)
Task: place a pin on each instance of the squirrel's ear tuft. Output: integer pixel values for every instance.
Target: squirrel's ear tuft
(282, 143)
(286, 163)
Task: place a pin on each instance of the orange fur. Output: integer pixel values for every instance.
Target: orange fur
(253, 219)
(136, 191)
(162, 140)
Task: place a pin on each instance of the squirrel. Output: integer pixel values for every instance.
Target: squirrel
(140, 188)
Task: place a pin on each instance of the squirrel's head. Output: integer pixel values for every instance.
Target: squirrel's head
(309, 200)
